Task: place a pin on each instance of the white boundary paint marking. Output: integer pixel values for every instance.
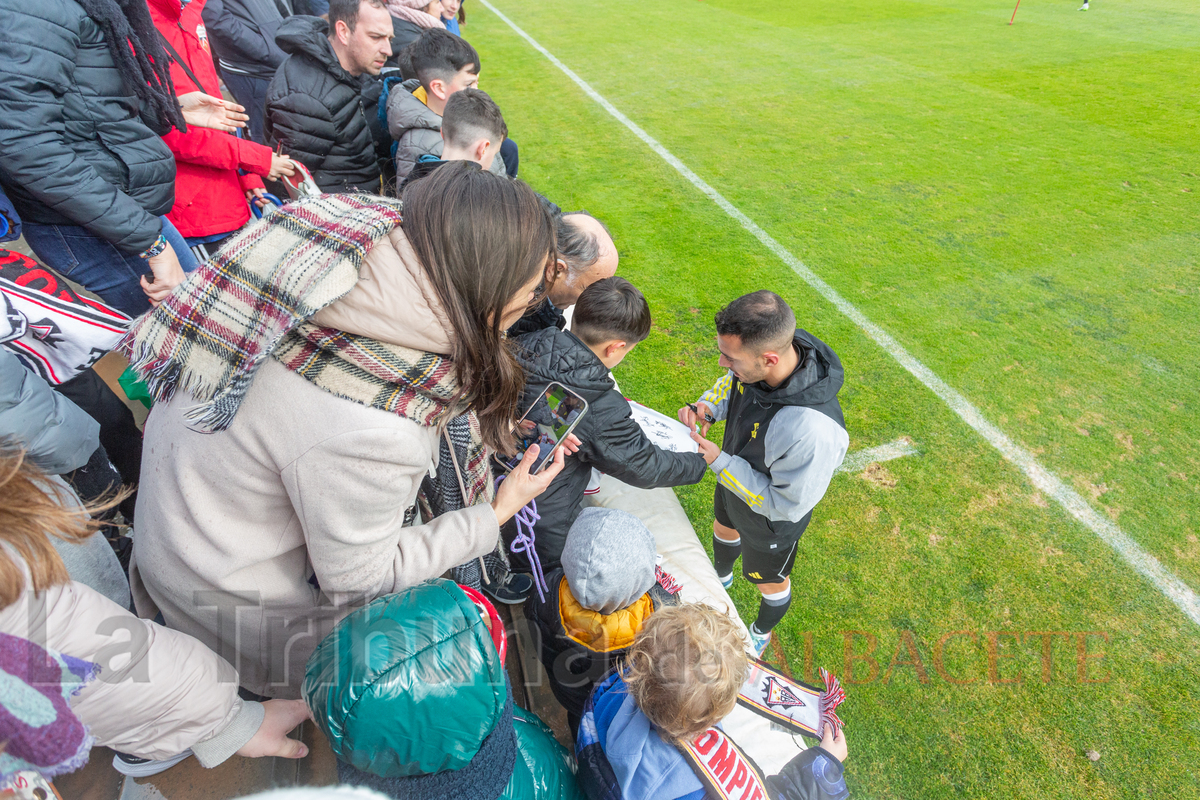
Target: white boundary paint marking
(860, 459)
(1043, 479)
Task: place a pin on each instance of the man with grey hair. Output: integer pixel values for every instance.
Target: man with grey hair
(586, 254)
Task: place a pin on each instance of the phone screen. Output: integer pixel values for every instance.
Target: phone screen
(549, 420)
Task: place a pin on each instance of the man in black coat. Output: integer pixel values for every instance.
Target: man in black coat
(321, 102)
(243, 37)
(610, 318)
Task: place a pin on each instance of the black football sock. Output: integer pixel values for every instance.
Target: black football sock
(771, 609)
(724, 554)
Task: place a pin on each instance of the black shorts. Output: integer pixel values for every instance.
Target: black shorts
(768, 546)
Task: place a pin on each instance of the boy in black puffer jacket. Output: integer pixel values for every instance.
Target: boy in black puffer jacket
(596, 603)
(611, 317)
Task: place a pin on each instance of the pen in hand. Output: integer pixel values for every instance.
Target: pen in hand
(709, 418)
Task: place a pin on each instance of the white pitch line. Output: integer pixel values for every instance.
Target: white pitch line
(859, 459)
(1043, 479)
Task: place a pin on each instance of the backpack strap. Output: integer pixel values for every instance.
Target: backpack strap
(392, 79)
(724, 768)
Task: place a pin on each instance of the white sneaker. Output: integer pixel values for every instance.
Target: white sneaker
(759, 641)
(1083, 7)
(136, 767)
(726, 580)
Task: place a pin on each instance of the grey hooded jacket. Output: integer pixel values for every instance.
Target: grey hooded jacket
(417, 130)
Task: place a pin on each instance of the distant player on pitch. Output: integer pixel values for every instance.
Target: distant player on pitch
(784, 437)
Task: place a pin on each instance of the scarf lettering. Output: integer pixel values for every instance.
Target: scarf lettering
(723, 768)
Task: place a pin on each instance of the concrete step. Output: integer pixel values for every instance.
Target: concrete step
(531, 687)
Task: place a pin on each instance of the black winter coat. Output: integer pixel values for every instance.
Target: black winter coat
(244, 34)
(74, 149)
(322, 114)
(612, 441)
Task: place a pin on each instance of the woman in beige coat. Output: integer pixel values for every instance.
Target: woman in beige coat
(159, 692)
(257, 538)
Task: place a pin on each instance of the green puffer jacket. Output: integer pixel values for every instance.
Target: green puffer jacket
(538, 754)
(415, 702)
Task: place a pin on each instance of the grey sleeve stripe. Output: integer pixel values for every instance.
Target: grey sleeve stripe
(218, 748)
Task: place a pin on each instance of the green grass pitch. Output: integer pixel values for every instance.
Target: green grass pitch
(1020, 207)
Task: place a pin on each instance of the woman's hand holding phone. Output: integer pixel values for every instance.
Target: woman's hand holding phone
(520, 487)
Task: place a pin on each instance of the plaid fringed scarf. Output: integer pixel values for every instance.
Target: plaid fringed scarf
(252, 301)
(414, 384)
(211, 335)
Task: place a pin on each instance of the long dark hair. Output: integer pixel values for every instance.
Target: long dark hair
(139, 56)
(481, 238)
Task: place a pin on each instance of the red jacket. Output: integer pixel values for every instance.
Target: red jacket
(210, 195)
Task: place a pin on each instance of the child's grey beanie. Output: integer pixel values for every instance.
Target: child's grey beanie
(608, 559)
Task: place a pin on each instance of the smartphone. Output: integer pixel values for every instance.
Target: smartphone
(547, 422)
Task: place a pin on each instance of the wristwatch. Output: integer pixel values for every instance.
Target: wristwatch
(160, 244)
